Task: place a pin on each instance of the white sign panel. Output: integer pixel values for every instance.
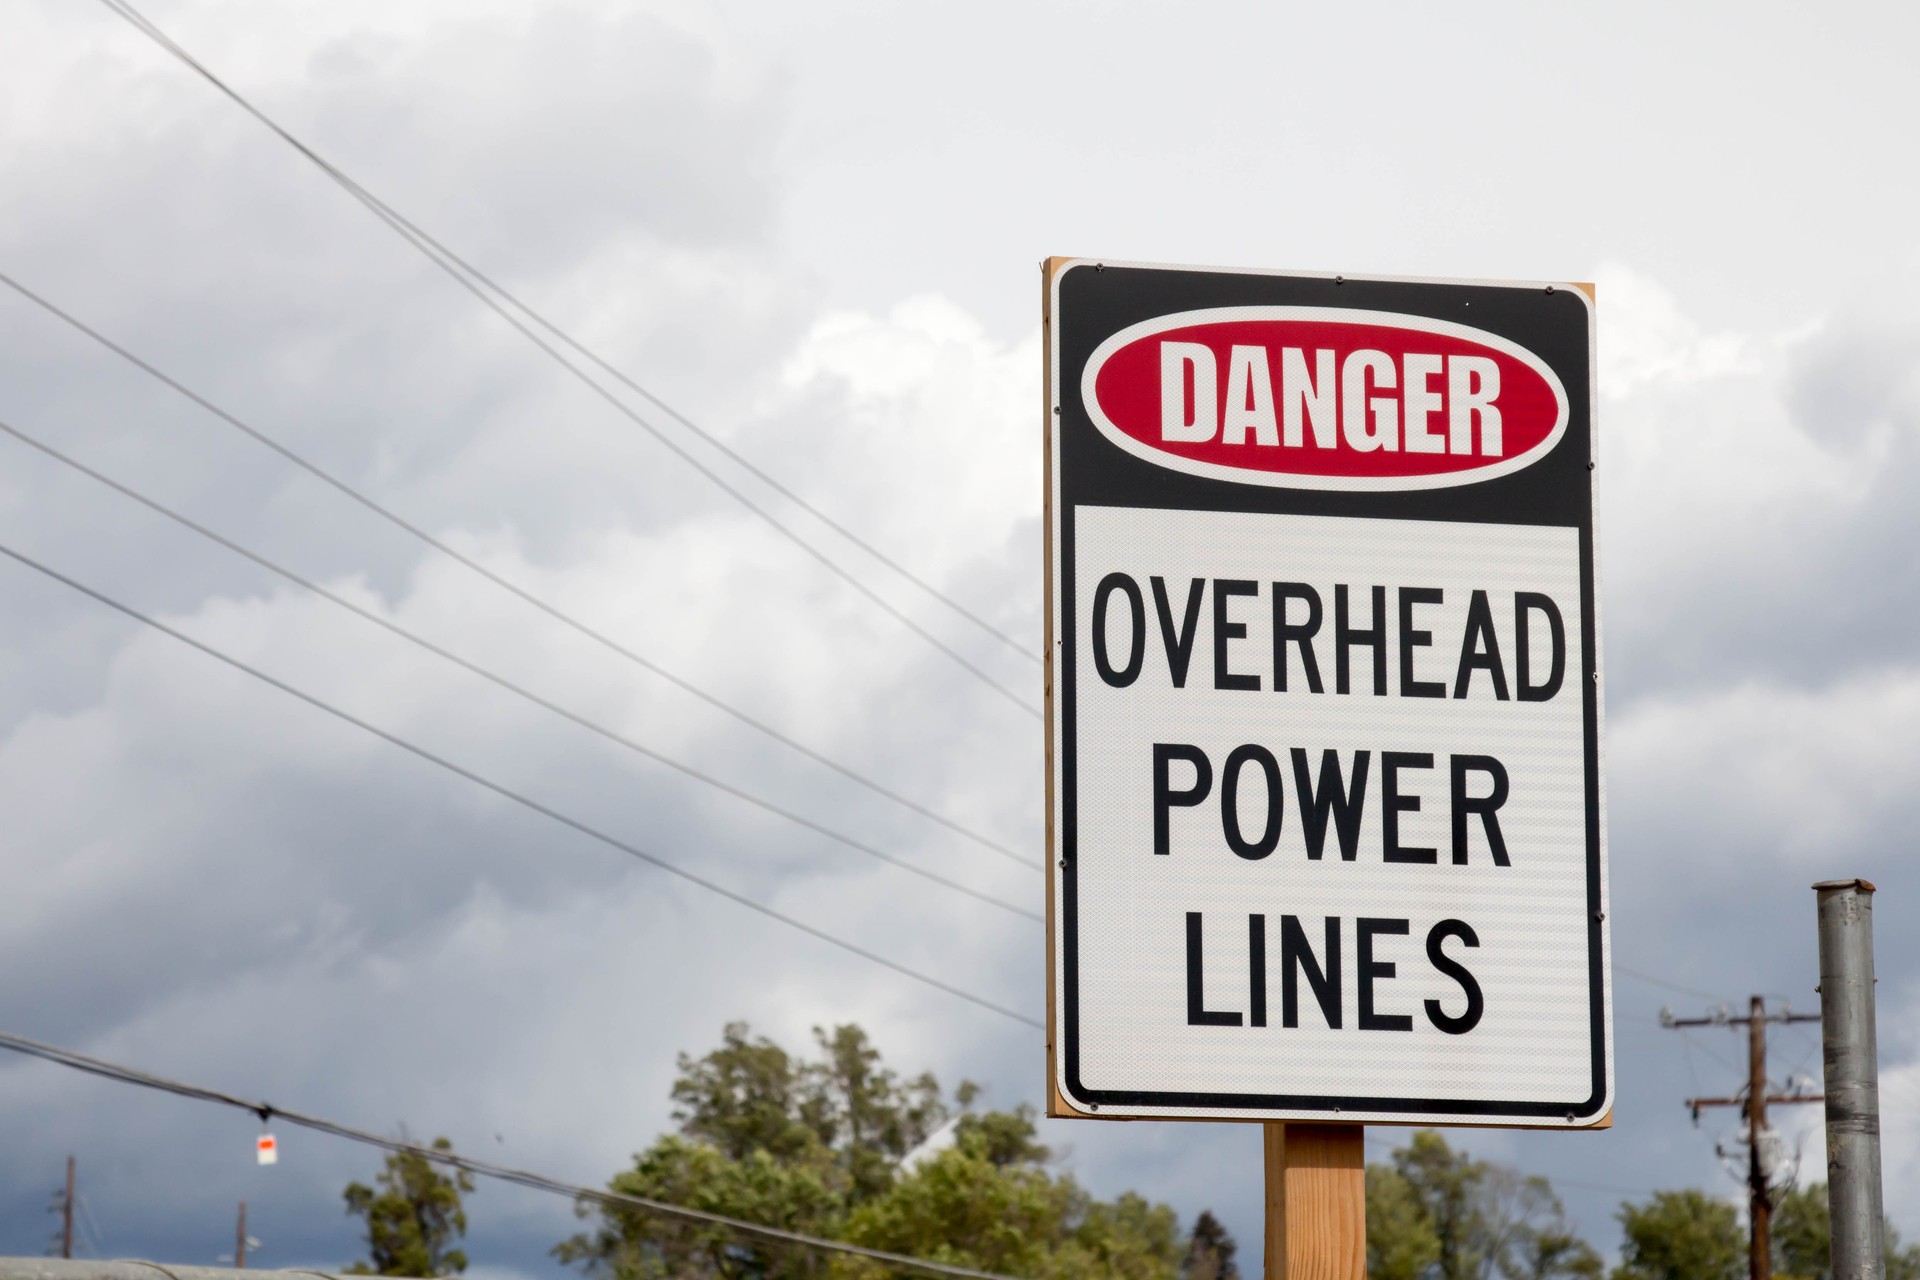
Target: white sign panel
(1325, 796)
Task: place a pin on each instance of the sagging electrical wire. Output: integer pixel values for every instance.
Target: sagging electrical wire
(514, 589)
(470, 279)
(502, 682)
(524, 800)
(484, 1168)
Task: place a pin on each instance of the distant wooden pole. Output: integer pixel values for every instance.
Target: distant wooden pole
(1759, 1188)
(240, 1240)
(1316, 1202)
(66, 1215)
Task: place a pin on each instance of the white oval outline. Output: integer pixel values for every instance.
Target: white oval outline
(1324, 315)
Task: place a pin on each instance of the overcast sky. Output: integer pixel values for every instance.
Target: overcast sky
(815, 229)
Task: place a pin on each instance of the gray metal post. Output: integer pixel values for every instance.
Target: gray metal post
(1851, 1058)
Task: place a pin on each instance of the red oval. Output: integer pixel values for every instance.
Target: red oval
(1127, 387)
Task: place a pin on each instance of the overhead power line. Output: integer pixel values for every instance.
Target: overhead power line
(527, 801)
(505, 584)
(472, 280)
(484, 1168)
(501, 681)
(1663, 982)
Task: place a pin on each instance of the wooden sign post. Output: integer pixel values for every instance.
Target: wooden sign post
(1316, 1201)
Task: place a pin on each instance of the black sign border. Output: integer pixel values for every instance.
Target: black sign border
(1090, 301)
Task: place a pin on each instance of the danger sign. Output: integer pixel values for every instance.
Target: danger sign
(1327, 839)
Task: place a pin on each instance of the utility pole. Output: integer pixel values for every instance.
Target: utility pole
(66, 1214)
(1850, 1054)
(1754, 1099)
(240, 1240)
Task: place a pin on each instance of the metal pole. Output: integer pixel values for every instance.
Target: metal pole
(1759, 1195)
(1851, 1058)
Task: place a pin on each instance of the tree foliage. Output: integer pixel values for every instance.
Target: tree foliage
(961, 1207)
(1439, 1214)
(875, 1117)
(1689, 1235)
(838, 1146)
(1401, 1241)
(820, 1146)
(1210, 1251)
(1004, 1137)
(1681, 1235)
(1803, 1239)
(413, 1217)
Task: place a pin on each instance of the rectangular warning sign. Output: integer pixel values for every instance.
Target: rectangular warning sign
(1325, 795)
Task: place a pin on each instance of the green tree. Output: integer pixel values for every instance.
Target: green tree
(1447, 1185)
(1801, 1235)
(1210, 1251)
(1439, 1214)
(1401, 1242)
(628, 1243)
(412, 1218)
(961, 1207)
(1681, 1235)
(751, 1095)
(875, 1118)
(1903, 1261)
(818, 1146)
(1530, 1237)
(1803, 1239)
(1546, 1246)
(1004, 1137)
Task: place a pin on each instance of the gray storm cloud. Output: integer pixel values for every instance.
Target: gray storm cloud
(825, 255)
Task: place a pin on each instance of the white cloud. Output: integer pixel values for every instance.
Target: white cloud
(1647, 339)
(1813, 774)
(923, 407)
